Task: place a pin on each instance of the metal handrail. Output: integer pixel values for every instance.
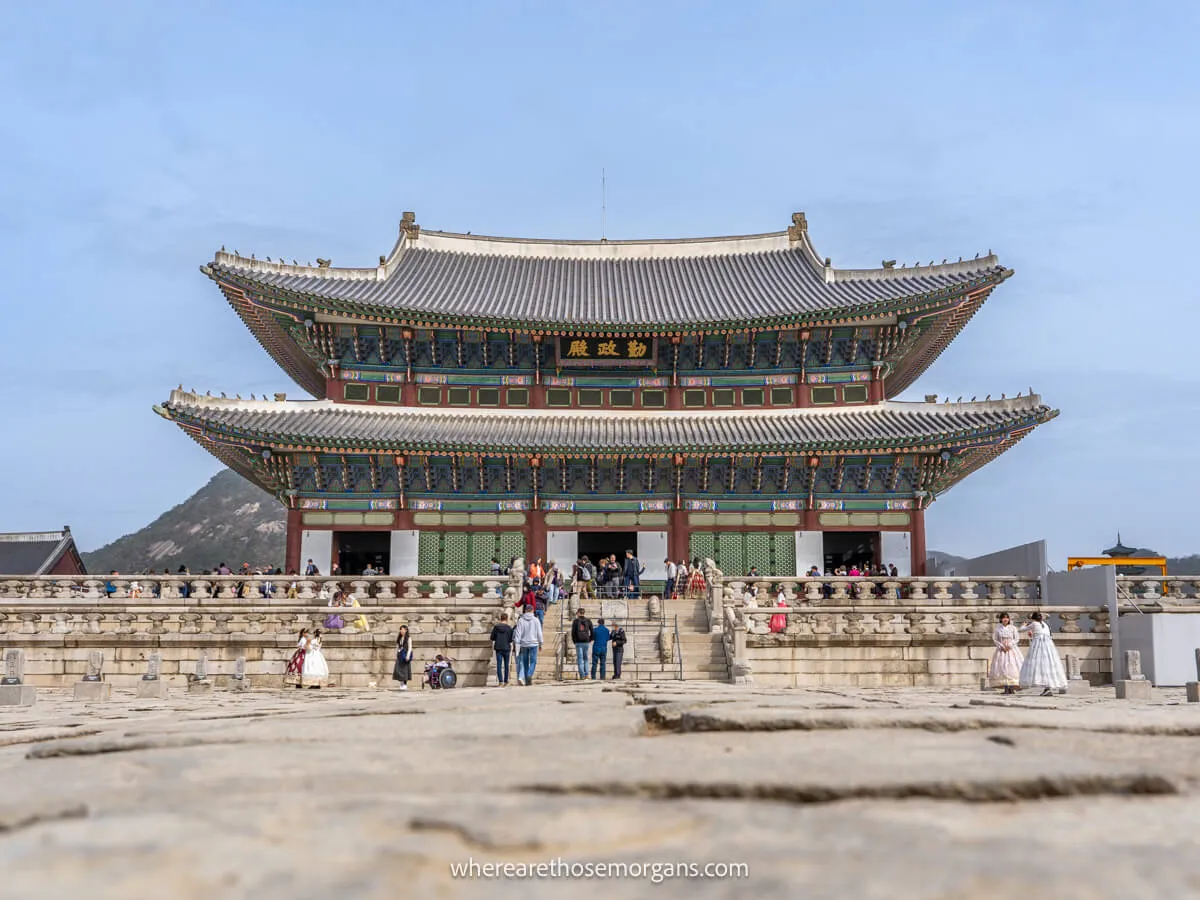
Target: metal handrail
(678, 648)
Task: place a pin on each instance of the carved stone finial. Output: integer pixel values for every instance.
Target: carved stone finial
(798, 227)
(323, 263)
(408, 225)
(889, 264)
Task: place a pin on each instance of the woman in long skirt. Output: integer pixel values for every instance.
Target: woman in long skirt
(1042, 667)
(295, 667)
(402, 671)
(696, 583)
(1005, 668)
(316, 669)
(778, 621)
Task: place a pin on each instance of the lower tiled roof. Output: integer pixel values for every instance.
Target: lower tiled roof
(32, 553)
(325, 424)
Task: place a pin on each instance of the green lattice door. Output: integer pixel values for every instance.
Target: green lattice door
(734, 552)
(466, 553)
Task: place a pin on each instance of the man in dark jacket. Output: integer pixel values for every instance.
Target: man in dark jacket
(502, 644)
(581, 637)
(600, 636)
(618, 649)
(631, 580)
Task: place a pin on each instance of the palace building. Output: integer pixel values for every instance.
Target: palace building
(480, 397)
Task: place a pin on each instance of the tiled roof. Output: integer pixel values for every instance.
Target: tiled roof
(328, 424)
(32, 553)
(623, 283)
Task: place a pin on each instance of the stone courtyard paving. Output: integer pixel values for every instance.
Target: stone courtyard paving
(822, 793)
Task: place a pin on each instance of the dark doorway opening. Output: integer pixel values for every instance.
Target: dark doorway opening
(850, 548)
(355, 550)
(596, 545)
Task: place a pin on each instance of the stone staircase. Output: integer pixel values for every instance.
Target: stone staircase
(703, 652)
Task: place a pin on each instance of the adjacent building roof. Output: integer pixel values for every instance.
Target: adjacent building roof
(628, 284)
(39, 553)
(316, 425)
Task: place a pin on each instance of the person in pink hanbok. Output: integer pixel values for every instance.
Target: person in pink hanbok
(1005, 668)
(778, 621)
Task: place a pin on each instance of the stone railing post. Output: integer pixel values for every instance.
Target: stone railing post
(742, 671)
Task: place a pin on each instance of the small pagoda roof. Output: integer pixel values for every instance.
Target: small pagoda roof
(1120, 549)
(435, 276)
(36, 552)
(338, 427)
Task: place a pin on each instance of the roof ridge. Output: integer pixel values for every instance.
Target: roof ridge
(1019, 403)
(32, 537)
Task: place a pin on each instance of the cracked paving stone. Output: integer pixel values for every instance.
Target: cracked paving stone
(866, 794)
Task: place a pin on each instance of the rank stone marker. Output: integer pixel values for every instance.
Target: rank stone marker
(1193, 687)
(239, 681)
(152, 687)
(1076, 685)
(198, 683)
(93, 687)
(1134, 686)
(13, 690)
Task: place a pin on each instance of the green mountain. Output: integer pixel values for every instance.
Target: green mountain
(228, 520)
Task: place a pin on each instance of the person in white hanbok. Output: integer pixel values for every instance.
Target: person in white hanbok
(1005, 668)
(1042, 667)
(316, 669)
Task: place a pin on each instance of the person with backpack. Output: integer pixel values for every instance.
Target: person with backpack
(618, 645)
(600, 638)
(583, 576)
(631, 580)
(581, 637)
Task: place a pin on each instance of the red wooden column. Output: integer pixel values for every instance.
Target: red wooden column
(535, 536)
(295, 529)
(678, 546)
(876, 388)
(918, 542)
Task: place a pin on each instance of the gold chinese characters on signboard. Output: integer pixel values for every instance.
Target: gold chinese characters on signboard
(606, 351)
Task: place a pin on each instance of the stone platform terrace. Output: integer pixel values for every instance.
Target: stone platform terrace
(858, 793)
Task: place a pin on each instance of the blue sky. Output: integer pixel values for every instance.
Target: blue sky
(137, 138)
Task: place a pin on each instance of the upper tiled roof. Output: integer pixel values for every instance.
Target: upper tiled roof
(33, 553)
(325, 423)
(625, 283)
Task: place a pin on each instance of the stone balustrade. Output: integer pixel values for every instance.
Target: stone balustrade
(1161, 590)
(932, 591)
(57, 634)
(209, 590)
(897, 643)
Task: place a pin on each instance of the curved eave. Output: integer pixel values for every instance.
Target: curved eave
(991, 439)
(237, 455)
(934, 339)
(975, 458)
(903, 305)
(280, 346)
